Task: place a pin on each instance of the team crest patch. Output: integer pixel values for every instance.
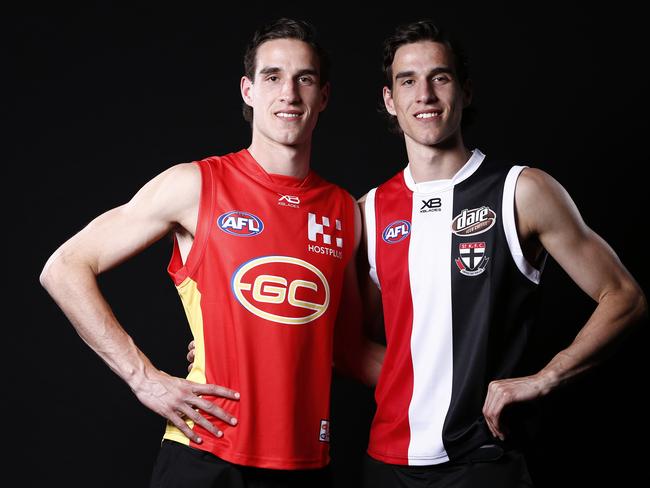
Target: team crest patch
(473, 221)
(472, 260)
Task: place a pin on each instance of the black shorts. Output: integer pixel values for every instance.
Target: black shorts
(181, 466)
(509, 470)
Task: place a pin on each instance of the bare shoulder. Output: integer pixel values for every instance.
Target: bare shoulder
(170, 194)
(542, 203)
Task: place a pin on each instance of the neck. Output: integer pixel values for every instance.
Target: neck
(281, 159)
(439, 162)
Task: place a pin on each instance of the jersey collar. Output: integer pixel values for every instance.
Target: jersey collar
(433, 186)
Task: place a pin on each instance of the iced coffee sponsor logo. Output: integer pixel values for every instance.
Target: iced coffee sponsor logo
(241, 224)
(281, 289)
(473, 221)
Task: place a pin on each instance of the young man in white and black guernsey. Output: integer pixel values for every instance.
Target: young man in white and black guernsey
(456, 245)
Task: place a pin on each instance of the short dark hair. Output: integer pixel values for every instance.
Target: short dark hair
(283, 28)
(423, 30)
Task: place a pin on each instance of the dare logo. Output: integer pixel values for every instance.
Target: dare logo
(473, 221)
(281, 289)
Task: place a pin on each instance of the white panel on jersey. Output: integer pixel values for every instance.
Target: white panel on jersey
(372, 235)
(510, 227)
(431, 339)
(463, 173)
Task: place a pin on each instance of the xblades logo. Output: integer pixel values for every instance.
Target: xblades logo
(289, 201)
(431, 205)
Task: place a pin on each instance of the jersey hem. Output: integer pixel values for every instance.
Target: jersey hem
(404, 461)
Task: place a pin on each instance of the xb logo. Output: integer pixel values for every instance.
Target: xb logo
(281, 289)
(431, 205)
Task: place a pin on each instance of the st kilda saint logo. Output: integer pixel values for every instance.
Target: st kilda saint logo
(472, 260)
(473, 221)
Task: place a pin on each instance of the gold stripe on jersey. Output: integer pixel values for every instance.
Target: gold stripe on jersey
(191, 298)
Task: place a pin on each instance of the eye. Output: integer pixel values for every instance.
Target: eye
(272, 78)
(440, 79)
(305, 80)
(408, 82)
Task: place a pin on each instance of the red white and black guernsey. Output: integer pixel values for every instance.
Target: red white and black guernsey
(459, 299)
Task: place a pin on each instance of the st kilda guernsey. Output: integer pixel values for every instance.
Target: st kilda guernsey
(458, 297)
(261, 287)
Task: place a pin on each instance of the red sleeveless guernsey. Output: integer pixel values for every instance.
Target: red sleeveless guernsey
(261, 288)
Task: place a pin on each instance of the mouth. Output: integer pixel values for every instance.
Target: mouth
(428, 114)
(289, 115)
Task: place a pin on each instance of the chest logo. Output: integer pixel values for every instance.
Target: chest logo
(281, 289)
(473, 221)
(472, 260)
(289, 201)
(396, 231)
(241, 224)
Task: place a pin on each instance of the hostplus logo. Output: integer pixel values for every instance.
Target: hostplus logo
(326, 231)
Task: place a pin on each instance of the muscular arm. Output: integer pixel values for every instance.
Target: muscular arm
(546, 213)
(354, 354)
(70, 276)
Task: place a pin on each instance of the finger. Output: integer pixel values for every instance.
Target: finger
(214, 390)
(190, 356)
(215, 410)
(199, 419)
(189, 367)
(181, 425)
(190, 346)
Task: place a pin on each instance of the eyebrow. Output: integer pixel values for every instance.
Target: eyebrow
(434, 71)
(269, 70)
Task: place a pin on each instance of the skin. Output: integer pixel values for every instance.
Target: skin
(286, 80)
(424, 82)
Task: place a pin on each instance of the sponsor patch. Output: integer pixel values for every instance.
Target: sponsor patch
(471, 222)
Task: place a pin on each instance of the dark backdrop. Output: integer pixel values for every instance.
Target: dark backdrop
(102, 98)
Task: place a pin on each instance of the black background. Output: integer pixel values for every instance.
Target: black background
(103, 97)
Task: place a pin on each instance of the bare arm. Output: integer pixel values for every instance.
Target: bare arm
(354, 354)
(70, 277)
(545, 212)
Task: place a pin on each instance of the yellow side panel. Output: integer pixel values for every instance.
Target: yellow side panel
(191, 298)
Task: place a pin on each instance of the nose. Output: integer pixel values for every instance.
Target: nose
(426, 93)
(290, 93)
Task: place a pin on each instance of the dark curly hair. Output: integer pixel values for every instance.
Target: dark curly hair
(283, 28)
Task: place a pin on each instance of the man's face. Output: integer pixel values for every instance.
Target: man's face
(286, 95)
(426, 96)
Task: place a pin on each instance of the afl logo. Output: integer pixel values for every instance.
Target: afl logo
(396, 231)
(281, 289)
(242, 224)
(473, 221)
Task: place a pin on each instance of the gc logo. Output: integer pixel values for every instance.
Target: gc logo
(281, 289)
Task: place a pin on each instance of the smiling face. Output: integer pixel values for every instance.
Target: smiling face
(286, 94)
(426, 95)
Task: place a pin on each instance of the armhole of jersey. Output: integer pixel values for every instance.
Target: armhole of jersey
(510, 226)
(371, 233)
(176, 268)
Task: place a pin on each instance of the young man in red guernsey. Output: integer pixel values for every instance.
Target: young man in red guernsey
(456, 243)
(263, 259)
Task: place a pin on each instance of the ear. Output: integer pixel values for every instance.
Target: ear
(325, 95)
(245, 86)
(468, 91)
(388, 101)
